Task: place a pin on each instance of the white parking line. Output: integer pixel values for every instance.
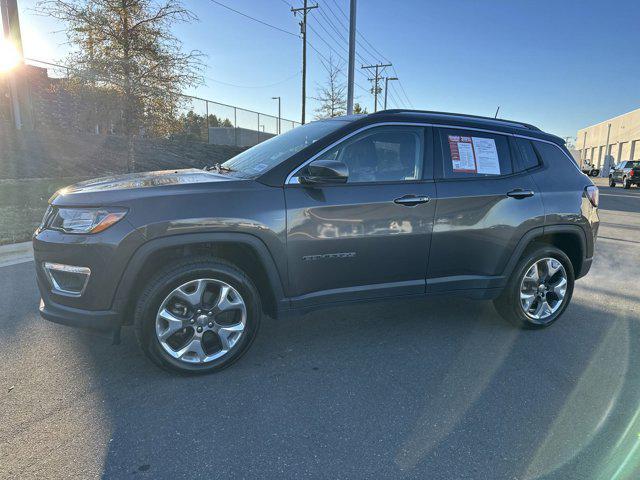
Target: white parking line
(618, 195)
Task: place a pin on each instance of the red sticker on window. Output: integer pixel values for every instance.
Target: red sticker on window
(463, 158)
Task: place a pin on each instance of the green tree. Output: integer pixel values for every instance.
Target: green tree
(128, 46)
(359, 110)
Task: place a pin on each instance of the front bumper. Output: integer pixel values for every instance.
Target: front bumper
(105, 255)
(97, 321)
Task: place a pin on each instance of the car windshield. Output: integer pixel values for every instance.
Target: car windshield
(266, 155)
(633, 164)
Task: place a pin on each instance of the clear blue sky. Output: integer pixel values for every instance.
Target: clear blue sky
(561, 64)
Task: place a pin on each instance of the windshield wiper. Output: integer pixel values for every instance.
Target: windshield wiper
(218, 168)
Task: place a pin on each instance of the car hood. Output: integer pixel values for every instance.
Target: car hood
(119, 188)
(144, 180)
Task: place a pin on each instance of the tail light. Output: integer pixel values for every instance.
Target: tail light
(593, 194)
(633, 173)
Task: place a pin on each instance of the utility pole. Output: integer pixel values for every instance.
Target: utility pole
(303, 31)
(352, 57)
(11, 28)
(376, 79)
(386, 89)
(279, 114)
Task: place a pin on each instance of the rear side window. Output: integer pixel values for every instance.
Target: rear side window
(472, 154)
(551, 154)
(529, 157)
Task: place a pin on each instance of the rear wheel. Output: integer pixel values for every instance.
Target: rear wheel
(612, 182)
(626, 183)
(539, 289)
(197, 316)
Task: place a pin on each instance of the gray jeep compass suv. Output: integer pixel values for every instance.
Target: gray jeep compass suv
(357, 208)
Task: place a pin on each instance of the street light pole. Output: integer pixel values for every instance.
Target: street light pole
(386, 89)
(352, 57)
(279, 114)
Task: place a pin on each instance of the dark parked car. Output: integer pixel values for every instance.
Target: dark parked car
(627, 173)
(352, 209)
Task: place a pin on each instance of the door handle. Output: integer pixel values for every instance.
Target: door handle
(411, 200)
(520, 193)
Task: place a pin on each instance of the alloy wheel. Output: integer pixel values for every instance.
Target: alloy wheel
(201, 320)
(543, 289)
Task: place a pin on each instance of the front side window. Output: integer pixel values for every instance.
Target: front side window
(381, 154)
(474, 154)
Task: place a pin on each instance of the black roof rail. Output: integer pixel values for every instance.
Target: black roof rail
(461, 115)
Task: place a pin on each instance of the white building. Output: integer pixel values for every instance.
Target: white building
(618, 137)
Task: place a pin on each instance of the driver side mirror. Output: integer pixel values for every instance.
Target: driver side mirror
(324, 172)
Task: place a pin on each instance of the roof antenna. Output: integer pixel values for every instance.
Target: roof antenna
(497, 110)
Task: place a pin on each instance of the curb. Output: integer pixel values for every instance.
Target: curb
(15, 253)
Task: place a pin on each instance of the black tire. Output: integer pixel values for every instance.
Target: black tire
(508, 303)
(176, 274)
(612, 182)
(626, 183)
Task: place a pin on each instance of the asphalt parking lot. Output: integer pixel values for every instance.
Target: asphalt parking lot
(435, 389)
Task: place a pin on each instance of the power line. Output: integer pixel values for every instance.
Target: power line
(254, 86)
(254, 19)
(403, 90)
(367, 42)
(340, 35)
(330, 47)
(394, 96)
(322, 57)
(292, 34)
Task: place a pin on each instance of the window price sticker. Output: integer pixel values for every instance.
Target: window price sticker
(474, 155)
(462, 156)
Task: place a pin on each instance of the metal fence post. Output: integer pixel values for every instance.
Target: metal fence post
(258, 129)
(235, 125)
(206, 106)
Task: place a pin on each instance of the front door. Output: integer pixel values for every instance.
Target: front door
(369, 237)
(486, 204)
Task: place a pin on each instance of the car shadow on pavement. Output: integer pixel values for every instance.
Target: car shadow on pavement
(438, 388)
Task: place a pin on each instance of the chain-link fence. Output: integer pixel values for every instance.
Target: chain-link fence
(57, 98)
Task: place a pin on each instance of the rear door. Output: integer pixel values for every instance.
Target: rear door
(365, 238)
(487, 201)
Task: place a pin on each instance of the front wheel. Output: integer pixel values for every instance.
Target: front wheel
(612, 182)
(197, 316)
(539, 289)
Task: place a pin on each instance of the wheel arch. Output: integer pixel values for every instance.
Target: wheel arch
(246, 251)
(571, 239)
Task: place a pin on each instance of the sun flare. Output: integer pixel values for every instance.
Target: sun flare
(9, 56)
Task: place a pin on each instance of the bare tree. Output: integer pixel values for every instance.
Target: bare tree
(331, 95)
(128, 46)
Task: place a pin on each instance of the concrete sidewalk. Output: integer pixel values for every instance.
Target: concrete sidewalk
(15, 253)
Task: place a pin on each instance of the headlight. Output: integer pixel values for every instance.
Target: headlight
(83, 220)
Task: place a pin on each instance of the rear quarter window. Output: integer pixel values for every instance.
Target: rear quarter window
(552, 154)
(528, 156)
(474, 154)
